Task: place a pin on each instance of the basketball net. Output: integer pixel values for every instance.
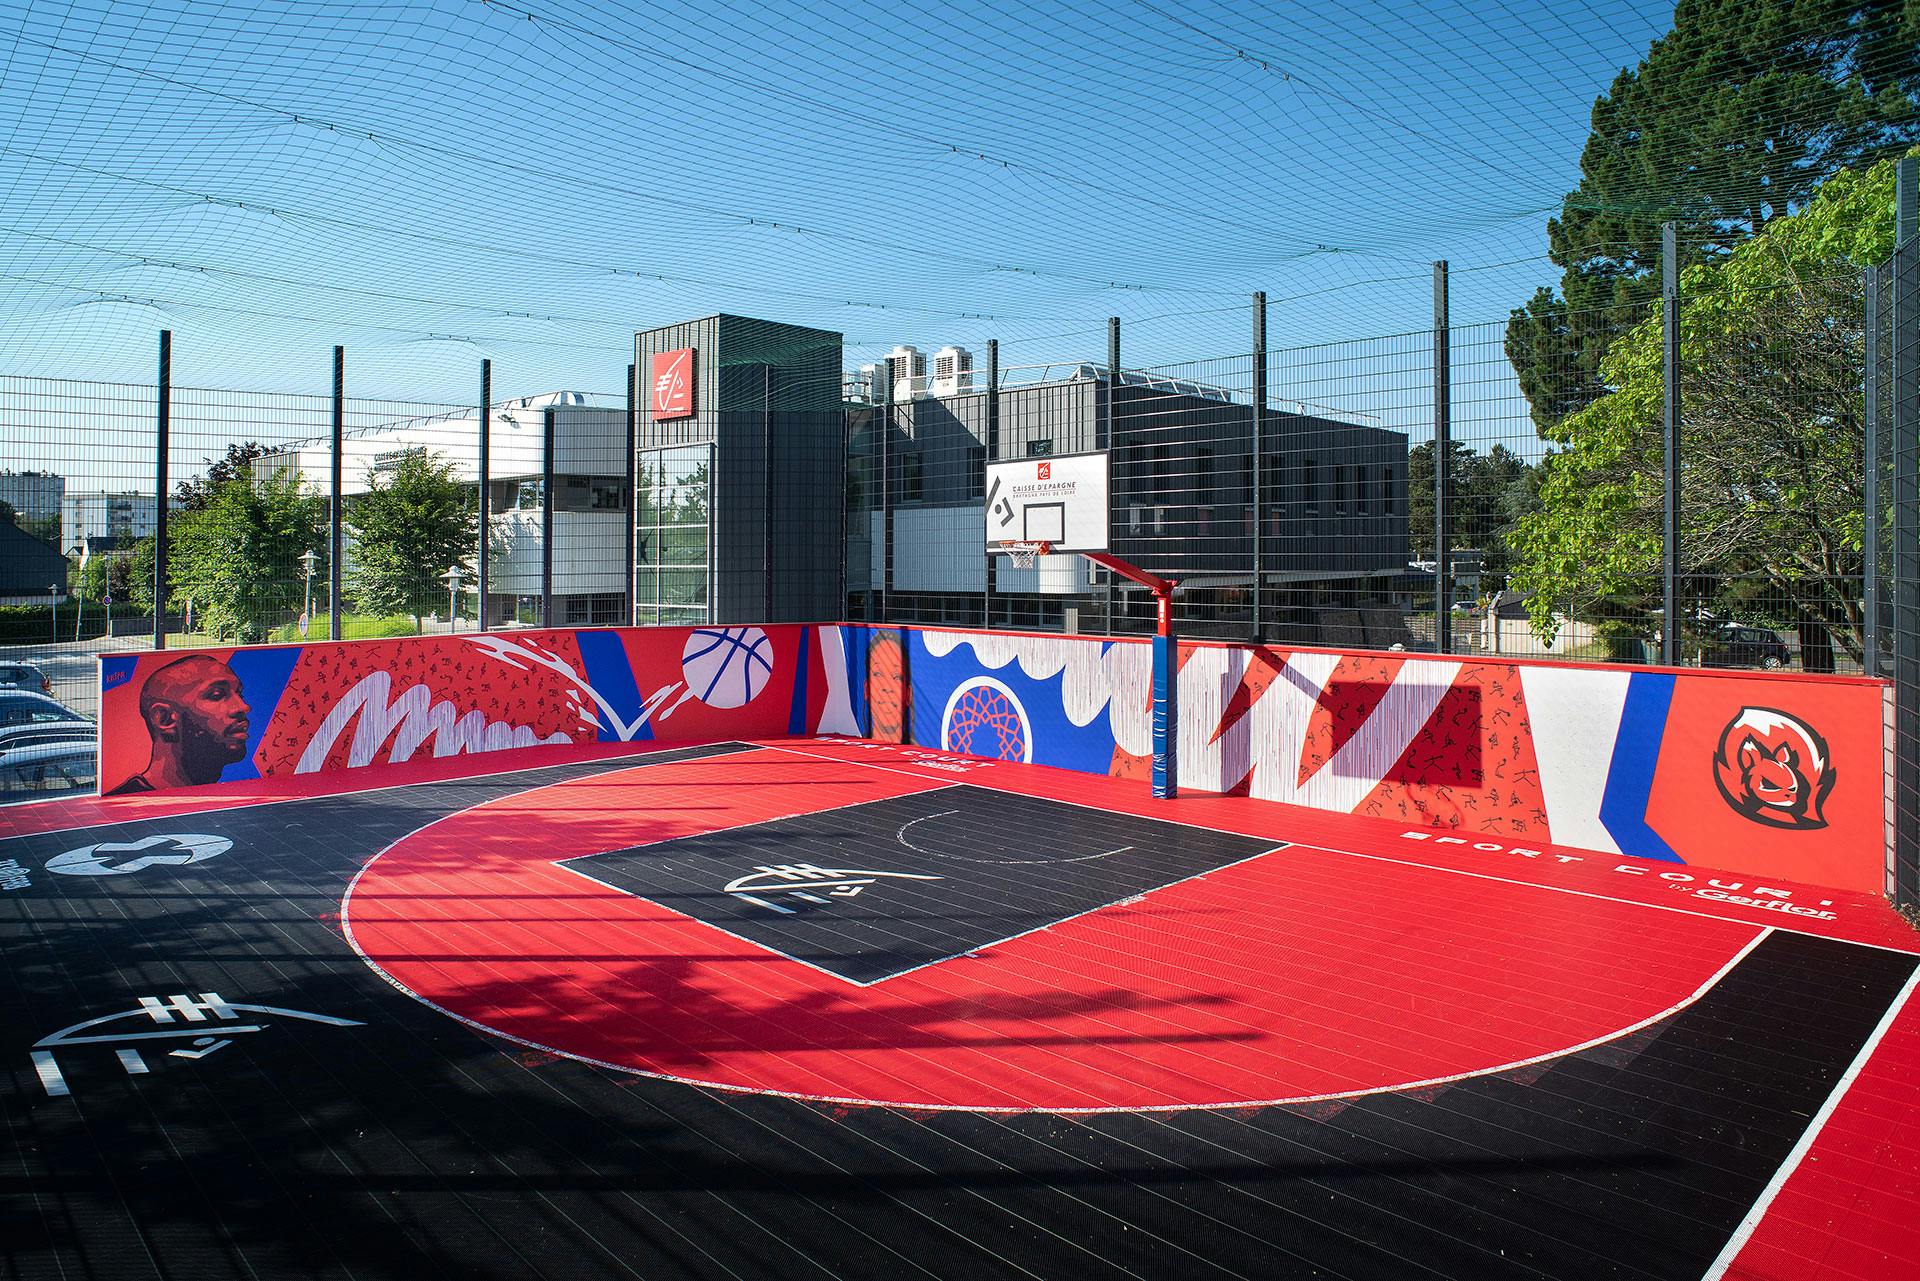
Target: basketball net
(1024, 554)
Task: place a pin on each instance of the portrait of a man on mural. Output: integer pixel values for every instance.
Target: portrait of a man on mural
(196, 720)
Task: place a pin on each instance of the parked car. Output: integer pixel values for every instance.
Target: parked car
(1739, 645)
(28, 773)
(35, 733)
(24, 676)
(24, 707)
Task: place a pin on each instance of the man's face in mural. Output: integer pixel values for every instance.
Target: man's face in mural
(887, 689)
(197, 720)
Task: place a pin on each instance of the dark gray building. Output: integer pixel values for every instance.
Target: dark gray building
(1332, 518)
(738, 514)
(32, 570)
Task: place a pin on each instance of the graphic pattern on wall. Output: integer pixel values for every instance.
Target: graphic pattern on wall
(176, 719)
(1618, 761)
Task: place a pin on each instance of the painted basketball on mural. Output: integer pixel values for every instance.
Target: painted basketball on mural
(726, 666)
(984, 718)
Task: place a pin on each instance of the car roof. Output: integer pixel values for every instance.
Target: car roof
(31, 697)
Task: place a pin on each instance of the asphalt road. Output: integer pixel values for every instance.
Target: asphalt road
(71, 666)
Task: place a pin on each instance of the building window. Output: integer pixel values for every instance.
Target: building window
(1310, 485)
(1360, 498)
(1042, 448)
(913, 477)
(671, 553)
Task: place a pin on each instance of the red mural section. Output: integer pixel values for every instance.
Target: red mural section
(1796, 783)
(1472, 766)
(346, 706)
(187, 718)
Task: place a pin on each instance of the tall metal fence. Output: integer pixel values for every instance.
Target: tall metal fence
(1471, 489)
(1724, 488)
(1893, 505)
(293, 516)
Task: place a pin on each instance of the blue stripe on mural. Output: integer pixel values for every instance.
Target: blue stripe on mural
(857, 641)
(797, 713)
(1636, 756)
(263, 677)
(611, 676)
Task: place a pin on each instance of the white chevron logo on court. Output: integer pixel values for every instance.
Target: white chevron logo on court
(801, 880)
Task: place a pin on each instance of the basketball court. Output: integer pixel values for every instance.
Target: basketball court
(834, 1008)
(831, 1005)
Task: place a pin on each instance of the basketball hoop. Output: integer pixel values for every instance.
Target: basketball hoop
(1024, 553)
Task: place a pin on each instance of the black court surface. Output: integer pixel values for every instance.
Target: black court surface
(205, 1078)
(870, 892)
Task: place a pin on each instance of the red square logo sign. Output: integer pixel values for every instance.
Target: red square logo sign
(673, 373)
(1046, 471)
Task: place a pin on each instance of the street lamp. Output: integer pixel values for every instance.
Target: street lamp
(82, 549)
(53, 595)
(453, 597)
(307, 558)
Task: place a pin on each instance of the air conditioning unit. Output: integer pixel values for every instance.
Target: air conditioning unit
(908, 367)
(952, 371)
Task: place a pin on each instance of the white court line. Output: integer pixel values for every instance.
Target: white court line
(901, 836)
(1744, 1232)
(1401, 862)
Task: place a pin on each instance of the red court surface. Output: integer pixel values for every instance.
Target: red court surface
(886, 933)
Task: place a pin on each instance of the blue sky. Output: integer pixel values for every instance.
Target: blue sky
(533, 180)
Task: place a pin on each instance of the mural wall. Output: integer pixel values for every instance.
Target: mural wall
(185, 718)
(1777, 776)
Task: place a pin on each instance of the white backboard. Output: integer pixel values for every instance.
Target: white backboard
(1061, 500)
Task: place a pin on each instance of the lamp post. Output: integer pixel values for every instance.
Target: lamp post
(453, 597)
(79, 598)
(53, 599)
(307, 558)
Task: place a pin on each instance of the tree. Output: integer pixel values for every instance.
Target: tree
(1487, 495)
(7, 514)
(237, 556)
(127, 575)
(199, 492)
(409, 529)
(1732, 120)
(1772, 447)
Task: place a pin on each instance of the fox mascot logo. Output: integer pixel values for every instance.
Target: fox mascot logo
(1773, 769)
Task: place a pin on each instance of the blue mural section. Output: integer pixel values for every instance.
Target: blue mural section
(960, 704)
(1636, 756)
(611, 674)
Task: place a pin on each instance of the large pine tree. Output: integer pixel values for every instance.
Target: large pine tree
(1733, 119)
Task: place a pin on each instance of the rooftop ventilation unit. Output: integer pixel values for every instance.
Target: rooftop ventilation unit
(908, 369)
(952, 371)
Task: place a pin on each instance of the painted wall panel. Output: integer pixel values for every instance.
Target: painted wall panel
(1777, 776)
(188, 717)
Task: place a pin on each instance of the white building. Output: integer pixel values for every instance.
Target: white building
(590, 490)
(33, 495)
(103, 522)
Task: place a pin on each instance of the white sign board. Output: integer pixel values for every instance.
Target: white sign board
(1060, 500)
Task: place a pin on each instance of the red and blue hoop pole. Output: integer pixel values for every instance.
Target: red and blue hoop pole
(1166, 673)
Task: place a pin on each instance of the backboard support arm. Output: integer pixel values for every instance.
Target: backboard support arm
(1166, 672)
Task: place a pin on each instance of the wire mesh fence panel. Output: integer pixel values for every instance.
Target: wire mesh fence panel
(77, 477)
(1898, 350)
(1554, 489)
